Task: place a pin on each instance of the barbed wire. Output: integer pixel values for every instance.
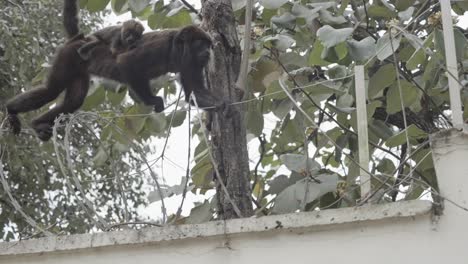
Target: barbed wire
(87, 205)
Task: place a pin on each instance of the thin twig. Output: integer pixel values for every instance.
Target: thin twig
(71, 167)
(244, 68)
(187, 172)
(114, 171)
(101, 223)
(400, 91)
(191, 8)
(262, 140)
(367, 21)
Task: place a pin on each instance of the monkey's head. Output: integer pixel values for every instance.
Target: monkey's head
(195, 43)
(131, 32)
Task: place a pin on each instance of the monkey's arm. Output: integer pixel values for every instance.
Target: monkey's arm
(85, 50)
(116, 45)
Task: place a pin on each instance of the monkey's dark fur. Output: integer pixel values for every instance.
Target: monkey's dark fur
(120, 38)
(185, 50)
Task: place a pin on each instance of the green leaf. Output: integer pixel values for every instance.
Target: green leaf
(278, 184)
(267, 14)
(138, 5)
(341, 50)
(200, 214)
(410, 95)
(386, 166)
(118, 5)
(281, 108)
(344, 101)
(286, 20)
(380, 129)
(272, 4)
(383, 78)
(330, 37)
(302, 11)
(97, 5)
(82, 3)
(376, 11)
(101, 157)
(315, 57)
(160, 20)
(328, 18)
(406, 14)
(280, 41)
(424, 159)
(157, 123)
(361, 50)
(179, 118)
(462, 6)
(135, 124)
(460, 42)
(418, 58)
(304, 192)
(297, 163)
(370, 112)
(431, 71)
(254, 119)
(293, 59)
(414, 193)
(404, 4)
(116, 97)
(202, 175)
(168, 191)
(385, 47)
(338, 71)
(399, 139)
(95, 99)
(264, 73)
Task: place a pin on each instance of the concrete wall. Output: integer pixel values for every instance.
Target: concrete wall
(404, 232)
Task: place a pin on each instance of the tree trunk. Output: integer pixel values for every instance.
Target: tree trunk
(228, 133)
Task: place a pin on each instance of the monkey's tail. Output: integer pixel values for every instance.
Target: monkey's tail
(70, 18)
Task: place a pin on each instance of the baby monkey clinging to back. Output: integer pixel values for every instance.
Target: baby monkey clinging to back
(120, 38)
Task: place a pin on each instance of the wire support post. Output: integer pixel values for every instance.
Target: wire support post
(452, 68)
(363, 138)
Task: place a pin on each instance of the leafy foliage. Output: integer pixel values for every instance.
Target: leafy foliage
(332, 38)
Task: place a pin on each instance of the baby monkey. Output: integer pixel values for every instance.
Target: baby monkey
(120, 38)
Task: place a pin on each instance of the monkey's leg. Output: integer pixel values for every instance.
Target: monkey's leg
(32, 99)
(28, 101)
(74, 98)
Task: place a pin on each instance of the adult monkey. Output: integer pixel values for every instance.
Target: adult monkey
(185, 50)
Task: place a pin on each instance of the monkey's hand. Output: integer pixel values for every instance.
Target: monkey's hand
(14, 123)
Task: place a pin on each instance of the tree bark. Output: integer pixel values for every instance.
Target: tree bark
(228, 132)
